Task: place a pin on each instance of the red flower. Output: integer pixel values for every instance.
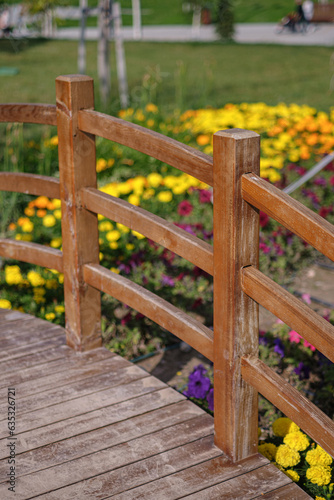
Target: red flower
(264, 219)
(185, 208)
(205, 196)
(324, 211)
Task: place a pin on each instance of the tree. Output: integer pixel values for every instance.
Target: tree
(225, 19)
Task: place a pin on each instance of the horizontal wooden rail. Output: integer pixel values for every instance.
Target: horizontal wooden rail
(293, 215)
(150, 225)
(185, 158)
(162, 312)
(30, 184)
(289, 309)
(293, 404)
(33, 253)
(45, 114)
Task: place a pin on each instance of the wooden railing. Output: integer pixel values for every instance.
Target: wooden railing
(233, 261)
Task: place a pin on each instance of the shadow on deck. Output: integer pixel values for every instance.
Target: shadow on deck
(93, 425)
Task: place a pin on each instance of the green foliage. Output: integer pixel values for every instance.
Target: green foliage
(36, 6)
(225, 19)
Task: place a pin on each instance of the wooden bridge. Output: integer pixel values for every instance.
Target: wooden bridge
(89, 424)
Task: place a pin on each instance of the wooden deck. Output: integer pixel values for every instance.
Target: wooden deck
(95, 426)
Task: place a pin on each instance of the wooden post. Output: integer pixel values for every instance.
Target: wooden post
(236, 243)
(136, 20)
(77, 169)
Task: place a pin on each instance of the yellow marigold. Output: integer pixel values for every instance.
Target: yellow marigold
(297, 441)
(56, 243)
(5, 304)
(57, 213)
(268, 450)
(61, 278)
(138, 235)
(148, 193)
(165, 196)
(113, 235)
(114, 270)
(49, 221)
(154, 179)
(22, 220)
(122, 228)
(51, 284)
(50, 316)
(134, 200)
(283, 425)
(286, 457)
(320, 498)
(101, 164)
(151, 108)
(39, 295)
(56, 203)
(59, 309)
(41, 212)
(29, 212)
(113, 245)
(292, 474)
(319, 474)
(129, 246)
(35, 278)
(105, 225)
(13, 275)
(318, 456)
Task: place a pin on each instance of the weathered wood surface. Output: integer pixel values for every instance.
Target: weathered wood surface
(236, 233)
(117, 432)
(34, 253)
(29, 184)
(292, 311)
(290, 401)
(150, 225)
(80, 238)
(28, 113)
(290, 213)
(185, 158)
(151, 305)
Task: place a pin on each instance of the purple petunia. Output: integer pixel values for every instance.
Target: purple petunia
(302, 371)
(279, 347)
(198, 384)
(209, 398)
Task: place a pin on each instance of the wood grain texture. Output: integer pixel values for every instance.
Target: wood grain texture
(29, 184)
(37, 254)
(290, 491)
(184, 158)
(290, 310)
(292, 214)
(77, 169)
(293, 404)
(28, 113)
(162, 312)
(150, 225)
(236, 243)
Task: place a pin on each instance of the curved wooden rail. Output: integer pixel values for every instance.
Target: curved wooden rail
(166, 315)
(30, 184)
(185, 158)
(33, 253)
(45, 114)
(290, 213)
(150, 225)
(289, 309)
(293, 404)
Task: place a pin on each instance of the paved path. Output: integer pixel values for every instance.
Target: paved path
(322, 34)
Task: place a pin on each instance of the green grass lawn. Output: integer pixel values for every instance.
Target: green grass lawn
(161, 12)
(182, 75)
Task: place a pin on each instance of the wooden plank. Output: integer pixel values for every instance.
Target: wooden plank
(185, 158)
(42, 374)
(193, 479)
(293, 404)
(98, 439)
(8, 315)
(135, 474)
(289, 309)
(13, 353)
(36, 359)
(290, 491)
(129, 385)
(98, 410)
(37, 254)
(77, 169)
(292, 214)
(30, 184)
(28, 113)
(236, 237)
(244, 487)
(150, 225)
(35, 332)
(73, 383)
(111, 458)
(159, 310)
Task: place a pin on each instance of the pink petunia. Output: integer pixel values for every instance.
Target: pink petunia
(294, 337)
(307, 344)
(306, 298)
(185, 208)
